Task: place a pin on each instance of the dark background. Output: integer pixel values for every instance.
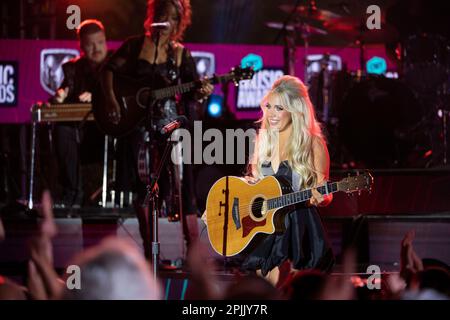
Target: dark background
(213, 21)
(221, 21)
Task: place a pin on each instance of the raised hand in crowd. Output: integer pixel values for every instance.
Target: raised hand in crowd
(43, 281)
(410, 263)
(341, 288)
(203, 268)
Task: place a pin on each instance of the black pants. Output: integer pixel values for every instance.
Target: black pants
(68, 138)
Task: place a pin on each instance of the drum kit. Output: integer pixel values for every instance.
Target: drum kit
(372, 120)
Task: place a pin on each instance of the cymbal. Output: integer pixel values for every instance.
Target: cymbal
(312, 13)
(297, 26)
(354, 29)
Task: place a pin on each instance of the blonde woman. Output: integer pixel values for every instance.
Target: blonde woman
(290, 144)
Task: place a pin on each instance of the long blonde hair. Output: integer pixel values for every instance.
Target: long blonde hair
(293, 95)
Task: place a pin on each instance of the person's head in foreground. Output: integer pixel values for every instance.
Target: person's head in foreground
(113, 270)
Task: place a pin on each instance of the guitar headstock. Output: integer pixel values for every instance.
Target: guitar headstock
(239, 73)
(357, 183)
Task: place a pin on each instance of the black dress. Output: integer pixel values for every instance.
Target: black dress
(304, 242)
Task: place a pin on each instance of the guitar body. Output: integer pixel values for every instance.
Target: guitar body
(132, 100)
(236, 214)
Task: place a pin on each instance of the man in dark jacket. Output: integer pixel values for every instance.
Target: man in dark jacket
(80, 75)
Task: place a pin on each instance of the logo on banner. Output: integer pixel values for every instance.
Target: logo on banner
(205, 63)
(8, 83)
(316, 62)
(51, 72)
(250, 92)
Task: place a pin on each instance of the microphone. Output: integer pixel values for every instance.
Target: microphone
(175, 124)
(160, 25)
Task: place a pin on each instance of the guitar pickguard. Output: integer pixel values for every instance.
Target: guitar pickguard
(248, 224)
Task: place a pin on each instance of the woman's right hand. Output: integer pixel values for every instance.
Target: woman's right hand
(113, 110)
(112, 107)
(251, 180)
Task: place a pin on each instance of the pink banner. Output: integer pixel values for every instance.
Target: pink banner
(37, 62)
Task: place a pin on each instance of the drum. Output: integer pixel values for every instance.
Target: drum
(377, 122)
(327, 92)
(426, 61)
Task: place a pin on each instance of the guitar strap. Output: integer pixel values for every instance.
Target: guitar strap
(295, 181)
(266, 170)
(172, 68)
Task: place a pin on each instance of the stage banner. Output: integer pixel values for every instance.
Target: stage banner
(30, 71)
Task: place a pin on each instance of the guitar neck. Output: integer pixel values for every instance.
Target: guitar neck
(300, 196)
(187, 87)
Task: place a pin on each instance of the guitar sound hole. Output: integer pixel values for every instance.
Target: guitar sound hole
(256, 207)
(142, 97)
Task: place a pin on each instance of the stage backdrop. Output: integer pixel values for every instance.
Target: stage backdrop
(30, 70)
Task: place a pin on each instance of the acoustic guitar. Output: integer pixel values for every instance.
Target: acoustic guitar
(238, 213)
(135, 98)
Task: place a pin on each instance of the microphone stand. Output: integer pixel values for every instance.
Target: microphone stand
(156, 34)
(152, 198)
(152, 188)
(289, 47)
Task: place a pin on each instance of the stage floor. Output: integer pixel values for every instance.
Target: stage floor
(376, 237)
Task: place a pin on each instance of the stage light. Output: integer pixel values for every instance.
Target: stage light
(214, 109)
(215, 106)
(376, 65)
(252, 60)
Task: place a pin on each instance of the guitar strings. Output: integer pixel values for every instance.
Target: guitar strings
(243, 206)
(261, 202)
